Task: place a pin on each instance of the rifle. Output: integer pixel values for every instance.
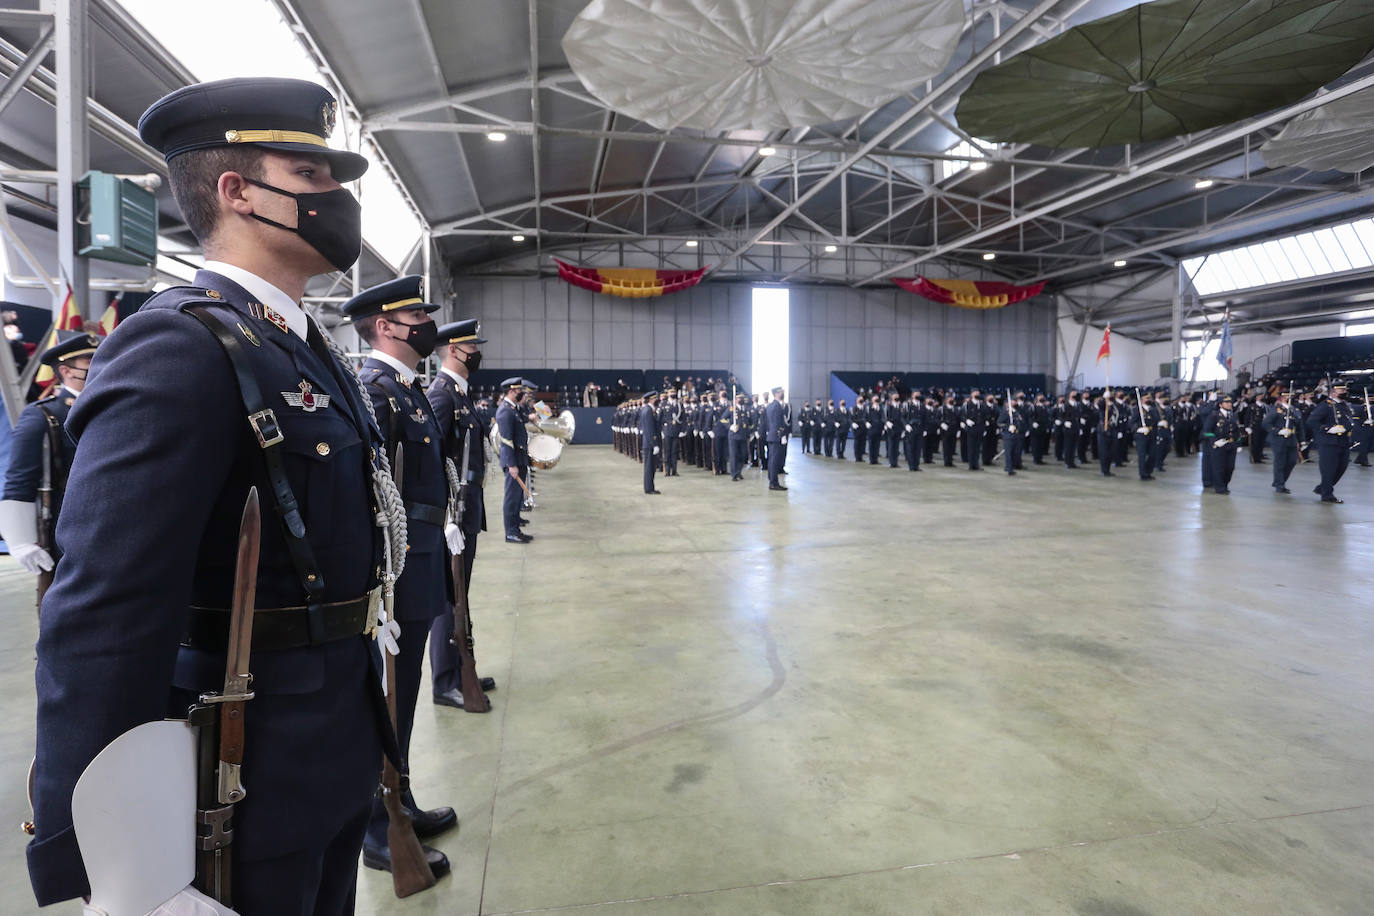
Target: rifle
(220, 751)
(45, 515)
(1141, 404)
(474, 700)
(410, 871)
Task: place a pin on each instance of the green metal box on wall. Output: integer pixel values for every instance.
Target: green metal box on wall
(119, 220)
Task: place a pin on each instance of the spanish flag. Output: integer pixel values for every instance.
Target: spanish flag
(969, 294)
(630, 282)
(68, 319)
(110, 318)
(1105, 351)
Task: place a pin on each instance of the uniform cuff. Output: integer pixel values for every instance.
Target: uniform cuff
(55, 868)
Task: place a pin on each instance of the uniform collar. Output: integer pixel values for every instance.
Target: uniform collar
(458, 380)
(404, 372)
(73, 394)
(269, 294)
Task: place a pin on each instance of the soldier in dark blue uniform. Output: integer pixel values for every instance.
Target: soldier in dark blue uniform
(460, 432)
(894, 422)
(393, 318)
(514, 457)
(775, 431)
(649, 440)
(1146, 420)
(1011, 424)
(161, 478)
(875, 428)
(1329, 424)
(1220, 436)
(720, 433)
(1284, 425)
(670, 415)
(41, 454)
(742, 430)
(844, 419)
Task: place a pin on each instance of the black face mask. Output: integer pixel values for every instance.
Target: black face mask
(472, 360)
(420, 337)
(330, 222)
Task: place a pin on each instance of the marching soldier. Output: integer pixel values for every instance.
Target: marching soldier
(1329, 425)
(1284, 425)
(830, 426)
(875, 428)
(1072, 427)
(1363, 433)
(1164, 429)
(913, 430)
(950, 425)
(671, 418)
(776, 430)
(1148, 418)
(974, 429)
(165, 477)
(720, 433)
(649, 440)
(894, 424)
(1041, 427)
(1010, 424)
(460, 431)
(514, 457)
(858, 424)
(844, 419)
(41, 455)
(1105, 414)
(393, 318)
(804, 418)
(741, 431)
(1220, 436)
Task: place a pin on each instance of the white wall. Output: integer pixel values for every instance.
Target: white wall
(546, 323)
(1128, 366)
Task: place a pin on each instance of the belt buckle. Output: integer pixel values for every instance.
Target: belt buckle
(265, 427)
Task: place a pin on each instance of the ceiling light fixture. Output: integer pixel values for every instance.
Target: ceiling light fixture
(1204, 184)
(831, 249)
(691, 243)
(517, 238)
(977, 165)
(1118, 263)
(767, 151)
(496, 136)
(989, 256)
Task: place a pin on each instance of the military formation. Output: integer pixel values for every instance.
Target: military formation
(1107, 429)
(291, 540)
(711, 432)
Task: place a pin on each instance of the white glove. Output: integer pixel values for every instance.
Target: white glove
(1120, 436)
(1163, 424)
(1336, 430)
(655, 449)
(944, 426)
(388, 631)
(887, 425)
(734, 427)
(454, 535)
(853, 426)
(784, 440)
(968, 423)
(187, 902)
(1144, 430)
(1285, 432)
(712, 434)
(1220, 442)
(1035, 426)
(837, 426)
(1011, 429)
(908, 427)
(32, 557)
(1058, 422)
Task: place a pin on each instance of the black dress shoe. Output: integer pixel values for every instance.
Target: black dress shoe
(454, 700)
(432, 822)
(519, 538)
(737, 477)
(1223, 492)
(1332, 499)
(379, 857)
(1148, 477)
(776, 486)
(1282, 490)
(652, 492)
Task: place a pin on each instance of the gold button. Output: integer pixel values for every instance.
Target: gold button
(310, 577)
(322, 448)
(213, 294)
(426, 440)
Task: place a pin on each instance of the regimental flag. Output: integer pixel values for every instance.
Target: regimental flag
(630, 282)
(1225, 349)
(969, 294)
(110, 318)
(1106, 349)
(68, 319)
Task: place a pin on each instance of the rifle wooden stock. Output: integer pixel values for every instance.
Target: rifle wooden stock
(474, 700)
(410, 871)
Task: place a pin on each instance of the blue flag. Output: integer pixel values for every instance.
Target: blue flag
(1225, 349)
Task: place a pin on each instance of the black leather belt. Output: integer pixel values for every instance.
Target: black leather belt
(285, 627)
(419, 512)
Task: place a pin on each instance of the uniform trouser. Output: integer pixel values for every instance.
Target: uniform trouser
(739, 456)
(828, 443)
(1332, 460)
(1011, 451)
(1104, 450)
(948, 439)
(1070, 446)
(1119, 444)
(319, 882)
(670, 453)
(1162, 439)
(1257, 443)
(1206, 464)
(1037, 443)
(782, 454)
(1285, 459)
(1086, 440)
(407, 662)
(1223, 461)
(510, 504)
(762, 450)
(1364, 437)
(915, 442)
(720, 447)
(973, 446)
(443, 654)
(875, 437)
(777, 453)
(990, 438)
(1144, 454)
(860, 439)
(650, 465)
(894, 448)
(1181, 438)
(1059, 443)
(806, 440)
(930, 444)
(840, 439)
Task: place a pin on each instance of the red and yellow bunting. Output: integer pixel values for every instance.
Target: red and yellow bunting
(969, 294)
(630, 282)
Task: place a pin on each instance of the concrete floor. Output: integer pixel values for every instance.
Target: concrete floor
(883, 692)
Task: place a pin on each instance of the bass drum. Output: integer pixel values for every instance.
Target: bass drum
(545, 451)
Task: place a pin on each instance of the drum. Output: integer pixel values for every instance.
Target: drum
(545, 451)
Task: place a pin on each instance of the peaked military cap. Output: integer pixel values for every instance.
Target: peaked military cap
(79, 344)
(650, 395)
(391, 296)
(288, 115)
(515, 382)
(464, 331)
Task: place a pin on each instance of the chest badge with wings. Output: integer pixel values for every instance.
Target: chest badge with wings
(306, 399)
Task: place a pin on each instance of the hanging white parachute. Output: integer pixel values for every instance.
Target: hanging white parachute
(1337, 136)
(718, 65)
